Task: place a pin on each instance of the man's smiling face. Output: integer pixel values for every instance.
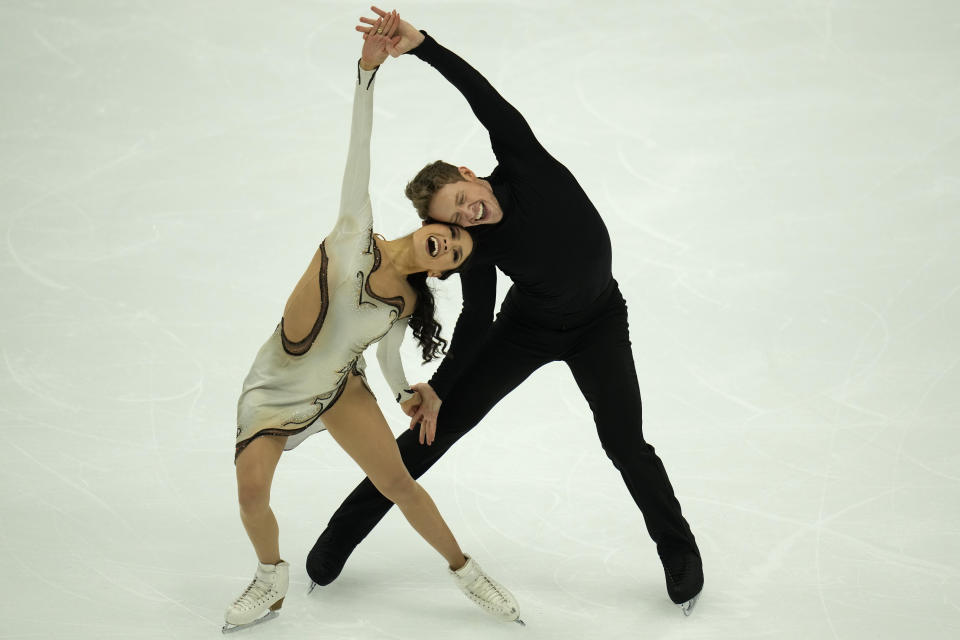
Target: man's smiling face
(468, 203)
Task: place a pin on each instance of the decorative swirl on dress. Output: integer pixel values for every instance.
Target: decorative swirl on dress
(299, 424)
(397, 301)
(302, 346)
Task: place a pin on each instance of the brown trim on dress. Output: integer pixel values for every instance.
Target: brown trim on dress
(280, 431)
(271, 431)
(301, 347)
(397, 301)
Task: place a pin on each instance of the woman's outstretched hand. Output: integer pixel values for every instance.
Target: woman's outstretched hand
(411, 405)
(382, 36)
(426, 413)
(409, 37)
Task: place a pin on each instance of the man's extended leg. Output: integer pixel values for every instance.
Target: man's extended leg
(505, 360)
(603, 367)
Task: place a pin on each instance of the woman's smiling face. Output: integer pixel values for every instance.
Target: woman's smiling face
(441, 247)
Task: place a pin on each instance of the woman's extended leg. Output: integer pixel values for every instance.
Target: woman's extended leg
(358, 425)
(255, 468)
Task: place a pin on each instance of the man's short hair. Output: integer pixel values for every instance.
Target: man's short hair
(427, 182)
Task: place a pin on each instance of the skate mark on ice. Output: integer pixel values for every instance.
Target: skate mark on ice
(71, 483)
(56, 51)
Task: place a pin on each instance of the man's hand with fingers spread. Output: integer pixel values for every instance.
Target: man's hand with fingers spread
(426, 414)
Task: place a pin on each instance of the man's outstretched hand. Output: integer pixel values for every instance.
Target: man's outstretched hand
(382, 36)
(409, 37)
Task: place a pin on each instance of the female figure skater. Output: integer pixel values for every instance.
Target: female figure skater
(309, 375)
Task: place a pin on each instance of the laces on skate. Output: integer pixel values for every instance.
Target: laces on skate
(487, 593)
(261, 600)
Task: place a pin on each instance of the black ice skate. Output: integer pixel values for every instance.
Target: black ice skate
(326, 559)
(684, 575)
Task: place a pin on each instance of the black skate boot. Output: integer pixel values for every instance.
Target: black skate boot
(325, 561)
(684, 574)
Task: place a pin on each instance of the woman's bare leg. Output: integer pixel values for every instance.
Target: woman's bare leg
(357, 424)
(255, 467)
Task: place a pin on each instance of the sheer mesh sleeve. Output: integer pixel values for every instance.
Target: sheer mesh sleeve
(388, 355)
(355, 214)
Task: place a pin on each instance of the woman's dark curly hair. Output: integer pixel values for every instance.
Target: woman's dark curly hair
(423, 320)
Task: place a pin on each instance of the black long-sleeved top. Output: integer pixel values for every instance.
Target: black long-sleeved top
(551, 241)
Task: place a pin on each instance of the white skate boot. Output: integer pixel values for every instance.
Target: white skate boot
(490, 595)
(261, 600)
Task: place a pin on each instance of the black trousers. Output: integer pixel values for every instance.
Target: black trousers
(597, 350)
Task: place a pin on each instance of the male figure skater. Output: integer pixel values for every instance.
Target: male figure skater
(533, 221)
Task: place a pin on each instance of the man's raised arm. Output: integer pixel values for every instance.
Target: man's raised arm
(509, 131)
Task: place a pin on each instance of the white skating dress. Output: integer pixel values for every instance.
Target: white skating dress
(291, 384)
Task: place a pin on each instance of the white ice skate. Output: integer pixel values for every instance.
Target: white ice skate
(261, 600)
(490, 595)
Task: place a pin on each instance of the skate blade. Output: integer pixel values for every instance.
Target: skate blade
(687, 607)
(230, 628)
(520, 622)
(313, 585)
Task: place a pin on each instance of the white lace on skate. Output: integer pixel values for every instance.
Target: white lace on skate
(261, 600)
(256, 594)
(487, 593)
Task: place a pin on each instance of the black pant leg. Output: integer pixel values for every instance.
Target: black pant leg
(505, 360)
(602, 364)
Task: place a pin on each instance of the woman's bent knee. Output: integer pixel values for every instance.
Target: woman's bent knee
(253, 494)
(253, 486)
(255, 467)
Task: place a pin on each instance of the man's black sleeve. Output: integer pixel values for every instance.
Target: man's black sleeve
(479, 287)
(509, 131)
